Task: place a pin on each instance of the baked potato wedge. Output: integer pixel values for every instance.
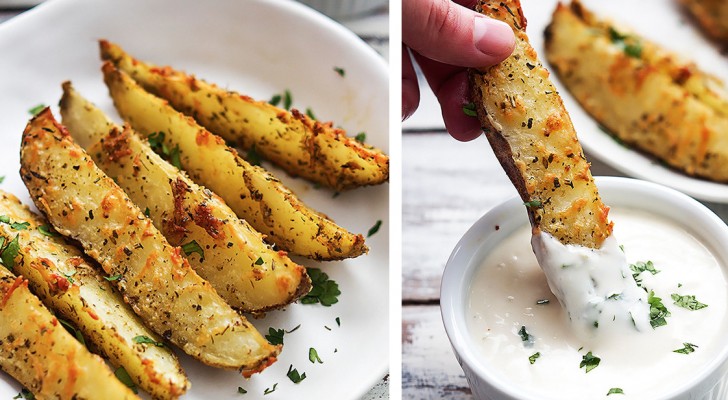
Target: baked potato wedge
(223, 249)
(76, 291)
(292, 140)
(712, 15)
(532, 135)
(254, 194)
(37, 350)
(645, 96)
(153, 276)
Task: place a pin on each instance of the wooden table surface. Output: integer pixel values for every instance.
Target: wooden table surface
(447, 186)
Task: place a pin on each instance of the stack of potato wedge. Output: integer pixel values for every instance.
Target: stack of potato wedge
(181, 235)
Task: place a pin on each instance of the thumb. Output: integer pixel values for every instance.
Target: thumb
(452, 34)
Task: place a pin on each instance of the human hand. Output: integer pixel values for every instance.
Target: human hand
(445, 37)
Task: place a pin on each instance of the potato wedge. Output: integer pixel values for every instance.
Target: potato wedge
(712, 15)
(532, 135)
(37, 350)
(253, 193)
(154, 278)
(228, 252)
(69, 285)
(292, 140)
(645, 96)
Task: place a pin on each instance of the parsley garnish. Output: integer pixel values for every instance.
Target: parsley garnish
(47, 230)
(113, 277)
(4, 219)
(275, 336)
(275, 100)
(374, 229)
(294, 376)
(687, 349)
(10, 253)
(241, 390)
(2, 178)
(287, 100)
(69, 277)
(469, 110)
(294, 329)
(313, 356)
(324, 290)
(124, 377)
(35, 110)
(340, 71)
(688, 301)
(658, 311)
(309, 112)
(259, 261)
(270, 390)
(174, 157)
(338, 321)
(615, 391)
(639, 267)
(360, 137)
(20, 226)
(25, 394)
(72, 330)
(533, 204)
(193, 247)
(252, 157)
(156, 142)
(146, 212)
(532, 358)
(141, 339)
(525, 336)
(629, 44)
(589, 361)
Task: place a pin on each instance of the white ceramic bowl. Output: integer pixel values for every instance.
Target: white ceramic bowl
(482, 237)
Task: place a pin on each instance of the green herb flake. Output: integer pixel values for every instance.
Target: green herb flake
(374, 229)
(340, 71)
(313, 356)
(241, 390)
(20, 226)
(124, 377)
(174, 157)
(324, 290)
(525, 336)
(113, 277)
(259, 261)
(4, 219)
(687, 301)
(193, 247)
(35, 110)
(2, 178)
(141, 339)
(360, 137)
(294, 329)
(275, 336)
(275, 100)
(533, 357)
(629, 44)
(10, 253)
(658, 311)
(615, 391)
(287, 100)
(146, 212)
(73, 331)
(47, 230)
(469, 110)
(338, 321)
(69, 276)
(294, 376)
(533, 204)
(310, 113)
(252, 156)
(639, 267)
(589, 361)
(687, 349)
(25, 394)
(270, 390)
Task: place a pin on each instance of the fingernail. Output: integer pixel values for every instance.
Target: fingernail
(493, 37)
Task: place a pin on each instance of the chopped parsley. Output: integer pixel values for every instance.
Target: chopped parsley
(259, 261)
(313, 356)
(10, 252)
(658, 311)
(141, 339)
(113, 277)
(287, 100)
(35, 110)
(156, 142)
(629, 44)
(193, 247)
(124, 377)
(360, 137)
(533, 357)
(146, 212)
(4, 219)
(687, 348)
(639, 267)
(241, 390)
(687, 301)
(252, 156)
(20, 226)
(69, 277)
(338, 321)
(324, 290)
(469, 110)
(525, 336)
(340, 71)
(275, 100)
(47, 230)
(589, 361)
(2, 178)
(533, 204)
(294, 329)
(374, 229)
(25, 394)
(270, 390)
(294, 376)
(615, 391)
(275, 336)
(72, 330)
(310, 113)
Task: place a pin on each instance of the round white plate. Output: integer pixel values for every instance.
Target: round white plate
(663, 22)
(259, 48)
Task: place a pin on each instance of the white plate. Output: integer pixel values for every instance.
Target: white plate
(258, 48)
(662, 22)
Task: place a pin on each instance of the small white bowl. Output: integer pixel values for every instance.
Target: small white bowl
(503, 220)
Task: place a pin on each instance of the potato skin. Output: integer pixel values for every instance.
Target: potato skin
(185, 212)
(67, 283)
(712, 15)
(300, 145)
(652, 101)
(37, 350)
(254, 194)
(532, 135)
(156, 281)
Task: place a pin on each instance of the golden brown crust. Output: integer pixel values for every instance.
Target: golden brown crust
(532, 135)
(712, 15)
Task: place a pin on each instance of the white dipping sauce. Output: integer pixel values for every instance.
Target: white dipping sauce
(509, 283)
